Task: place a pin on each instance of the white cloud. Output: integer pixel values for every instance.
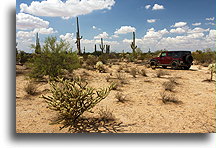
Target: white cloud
(102, 35)
(115, 36)
(157, 7)
(151, 20)
(28, 22)
(44, 30)
(210, 19)
(152, 34)
(125, 30)
(198, 30)
(196, 24)
(93, 27)
(179, 24)
(147, 6)
(177, 30)
(67, 9)
(210, 23)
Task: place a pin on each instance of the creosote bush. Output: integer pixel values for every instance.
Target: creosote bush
(71, 99)
(31, 88)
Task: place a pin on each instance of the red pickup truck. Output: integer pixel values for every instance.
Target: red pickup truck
(173, 59)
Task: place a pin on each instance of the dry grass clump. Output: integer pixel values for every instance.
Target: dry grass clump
(173, 80)
(133, 72)
(106, 115)
(161, 73)
(107, 78)
(143, 72)
(169, 86)
(120, 97)
(121, 78)
(31, 88)
(169, 98)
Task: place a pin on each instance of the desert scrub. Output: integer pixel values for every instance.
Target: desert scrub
(133, 72)
(54, 57)
(30, 88)
(169, 86)
(169, 98)
(120, 97)
(106, 115)
(161, 73)
(71, 99)
(143, 72)
(121, 78)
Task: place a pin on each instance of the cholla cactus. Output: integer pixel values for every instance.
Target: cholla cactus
(71, 99)
(100, 66)
(211, 67)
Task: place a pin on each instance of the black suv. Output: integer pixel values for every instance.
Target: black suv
(174, 59)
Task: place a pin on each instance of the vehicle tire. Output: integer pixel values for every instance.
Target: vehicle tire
(187, 67)
(175, 65)
(164, 67)
(188, 59)
(153, 64)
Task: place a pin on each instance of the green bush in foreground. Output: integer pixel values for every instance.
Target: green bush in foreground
(71, 99)
(54, 57)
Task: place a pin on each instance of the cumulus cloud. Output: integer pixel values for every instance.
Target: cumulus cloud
(28, 22)
(147, 6)
(198, 30)
(93, 27)
(196, 24)
(152, 34)
(65, 9)
(151, 20)
(179, 24)
(125, 30)
(102, 35)
(157, 7)
(210, 19)
(177, 30)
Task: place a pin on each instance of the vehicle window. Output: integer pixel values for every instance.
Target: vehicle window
(169, 54)
(163, 54)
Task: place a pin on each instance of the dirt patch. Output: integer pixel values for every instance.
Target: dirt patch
(143, 112)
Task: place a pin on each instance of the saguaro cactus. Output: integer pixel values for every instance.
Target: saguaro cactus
(37, 46)
(133, 44)
(102, 46)
(84, 50)
(78, 38)
(107, 48)
(95, 48)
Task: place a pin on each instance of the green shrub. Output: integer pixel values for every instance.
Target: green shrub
(71, 99)
(55, 56)
(206, 56)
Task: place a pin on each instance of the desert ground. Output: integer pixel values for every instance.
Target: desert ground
(143, 111)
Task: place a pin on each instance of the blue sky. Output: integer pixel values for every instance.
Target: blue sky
(159, 24)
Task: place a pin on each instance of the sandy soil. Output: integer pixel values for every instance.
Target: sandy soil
(144, 112)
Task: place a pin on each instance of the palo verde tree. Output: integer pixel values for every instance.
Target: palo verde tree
(55, 56)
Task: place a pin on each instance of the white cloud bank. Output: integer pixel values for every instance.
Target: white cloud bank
(147, 6)
(28, 22)
(102, 35)
(67, 9)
